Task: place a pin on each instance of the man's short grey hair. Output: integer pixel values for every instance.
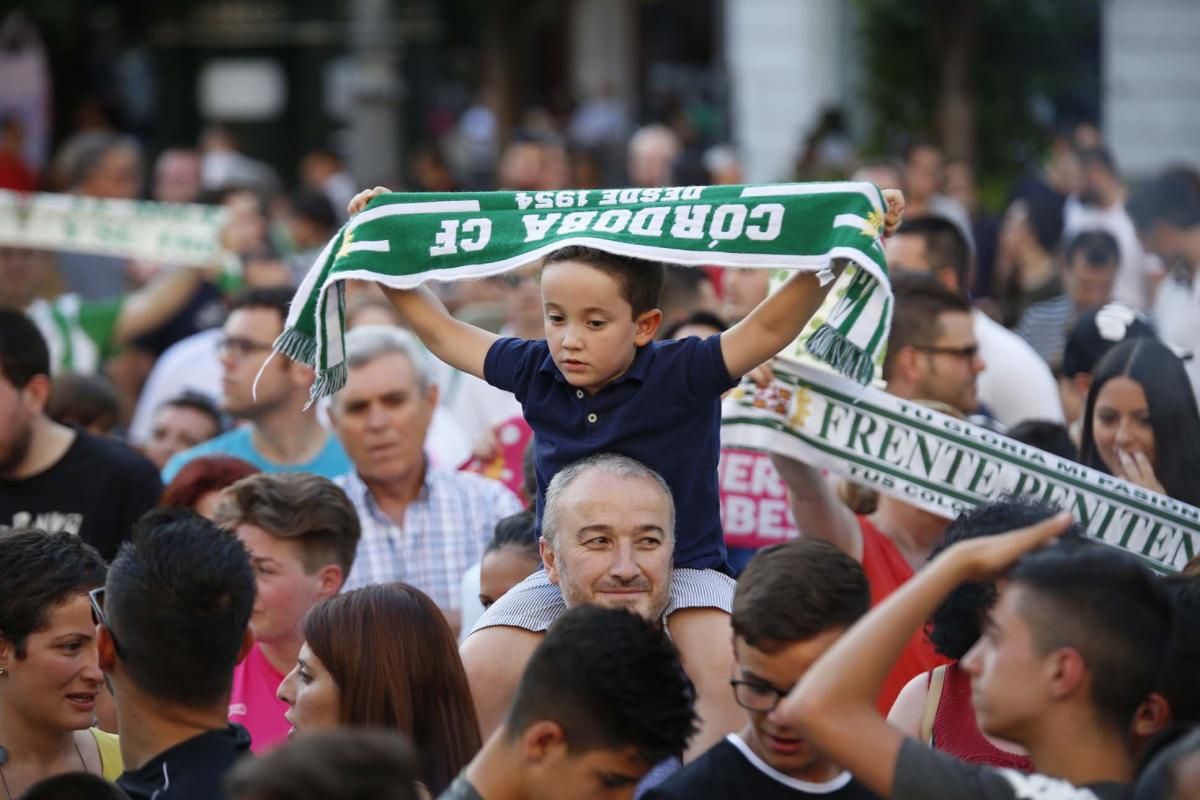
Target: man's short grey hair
(610, 464)
(366, 343)
(81, 155)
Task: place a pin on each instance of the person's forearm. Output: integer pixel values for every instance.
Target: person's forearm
(157, 302)
(848, 677)
(816, 508)
(456, 343)
(783, 314)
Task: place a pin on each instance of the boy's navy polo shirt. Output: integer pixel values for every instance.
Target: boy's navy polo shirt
(665, 412)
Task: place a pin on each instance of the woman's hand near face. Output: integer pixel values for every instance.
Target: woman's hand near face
(1137, 469)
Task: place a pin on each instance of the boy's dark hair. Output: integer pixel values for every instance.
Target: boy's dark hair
(344, 764)
(278, 298)
(88, 401)
(1183, 663)
(1104, 604)
(958, 622)
(309, 510)
(179, 596)
(945, 245)
(1051, 437)
(611, 680)
(23, 351)
(516, 530)
(640, 281)
(39, 571)
(794, 591)
(1098, 248)
(74, 786)
(919, 301)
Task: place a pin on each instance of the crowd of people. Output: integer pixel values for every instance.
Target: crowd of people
(499, 564)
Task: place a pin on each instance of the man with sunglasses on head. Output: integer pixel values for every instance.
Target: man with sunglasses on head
(172, 623)
(281, 432)
(793, 602)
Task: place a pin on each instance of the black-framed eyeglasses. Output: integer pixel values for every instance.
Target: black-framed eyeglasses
(238, 347)
(969, 352)
(96, 596)
(756, 696)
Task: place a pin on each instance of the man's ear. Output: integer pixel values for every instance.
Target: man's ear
(7, 653)
(432, 394)
(1153, 716)
(543, 741)
(37, 392)
(329, 580)
(948, 277)
(1069, 673)
(648, 323)
(1083, 382)
(105, 650)
(549, 559)
(247, 643)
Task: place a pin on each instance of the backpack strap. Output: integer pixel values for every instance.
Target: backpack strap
(933, 698)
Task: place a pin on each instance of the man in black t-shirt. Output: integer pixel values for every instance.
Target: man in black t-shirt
(1069, 651)
(57, 478)
(793, 602)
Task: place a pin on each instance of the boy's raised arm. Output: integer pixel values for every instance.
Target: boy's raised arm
(455, 342)
(773, 324)
(833, 705)
(459, 344)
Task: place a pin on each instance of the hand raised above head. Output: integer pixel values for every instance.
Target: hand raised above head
(895, 210)
(360, 200)
(990, 556)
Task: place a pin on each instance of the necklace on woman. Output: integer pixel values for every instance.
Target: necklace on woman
(4, 760)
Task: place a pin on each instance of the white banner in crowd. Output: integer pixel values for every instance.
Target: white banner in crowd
(171, 233)
(945, 465)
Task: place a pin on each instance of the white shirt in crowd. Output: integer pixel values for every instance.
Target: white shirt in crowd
(1176, 316)
(1016, 384)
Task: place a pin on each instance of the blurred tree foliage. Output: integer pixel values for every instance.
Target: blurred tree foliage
(990, 80)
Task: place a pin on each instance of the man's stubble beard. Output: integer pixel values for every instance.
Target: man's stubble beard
(14, 455)
(660, 596)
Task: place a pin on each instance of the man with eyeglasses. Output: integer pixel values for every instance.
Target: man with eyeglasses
(932, 352)
(280, 434)
(1016, 384)
(793, 602)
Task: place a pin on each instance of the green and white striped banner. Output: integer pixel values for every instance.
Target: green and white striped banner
(170, 233)
(942, 464)
(402, 240)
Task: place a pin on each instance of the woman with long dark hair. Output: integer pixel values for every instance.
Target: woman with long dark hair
(1141, 421)
(384, 657)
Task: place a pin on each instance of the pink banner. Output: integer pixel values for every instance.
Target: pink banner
(754, 502)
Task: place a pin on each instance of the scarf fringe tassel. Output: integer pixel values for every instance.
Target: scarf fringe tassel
(832, 347)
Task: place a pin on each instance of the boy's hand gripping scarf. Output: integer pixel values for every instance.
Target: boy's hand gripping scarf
(402, 240)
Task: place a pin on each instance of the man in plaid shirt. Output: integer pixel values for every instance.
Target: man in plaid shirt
(421, 525)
